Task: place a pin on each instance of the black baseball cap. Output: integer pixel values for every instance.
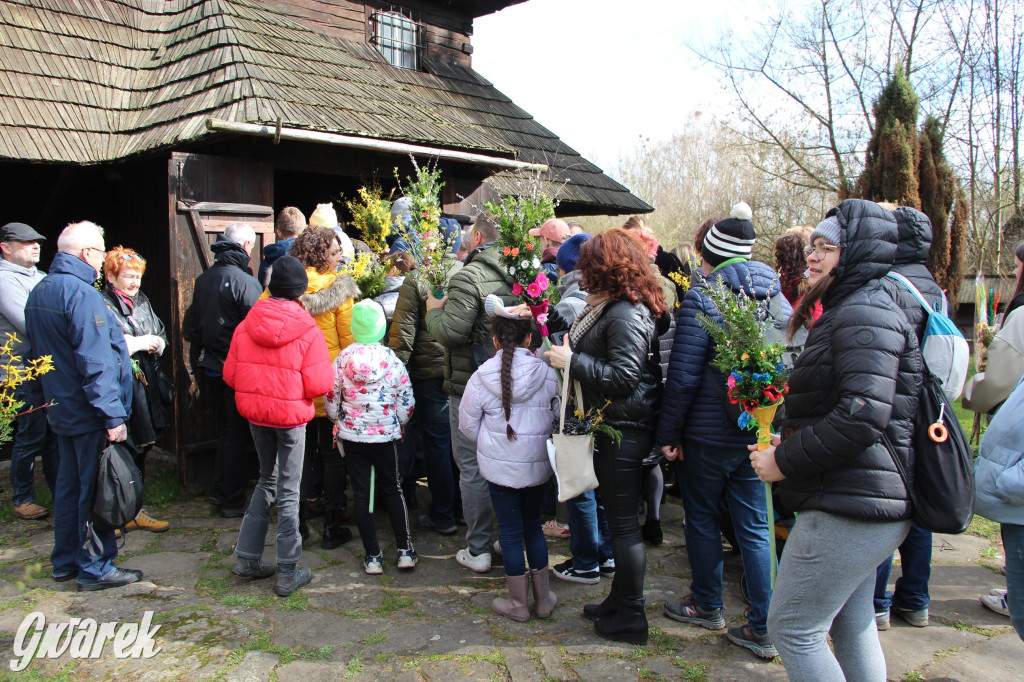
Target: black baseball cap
(19, 232)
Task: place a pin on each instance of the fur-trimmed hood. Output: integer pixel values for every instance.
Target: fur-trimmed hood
(327, 292)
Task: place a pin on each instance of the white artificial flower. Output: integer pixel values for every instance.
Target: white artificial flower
(536, 262)
(511, 270)
(525, 264)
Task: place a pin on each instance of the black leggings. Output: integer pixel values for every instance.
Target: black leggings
(619, 470)
(383, 458)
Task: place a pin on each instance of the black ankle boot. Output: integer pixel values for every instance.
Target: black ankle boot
(652, 533)
(628, 624)
(335, 534)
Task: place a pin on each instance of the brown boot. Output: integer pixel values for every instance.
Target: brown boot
(544, 599)
(515, 606)
(30, 511)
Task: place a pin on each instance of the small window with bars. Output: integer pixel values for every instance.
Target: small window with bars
(398, 38)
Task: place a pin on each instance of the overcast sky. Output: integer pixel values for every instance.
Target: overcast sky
(602, 73)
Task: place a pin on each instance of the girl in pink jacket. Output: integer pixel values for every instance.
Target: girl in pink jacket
(507, 410)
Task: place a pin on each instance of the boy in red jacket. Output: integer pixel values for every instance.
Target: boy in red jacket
(278, 364)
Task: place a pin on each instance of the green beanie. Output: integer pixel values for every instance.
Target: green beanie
(368, 321)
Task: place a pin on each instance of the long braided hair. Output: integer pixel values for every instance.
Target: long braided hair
(510, 334)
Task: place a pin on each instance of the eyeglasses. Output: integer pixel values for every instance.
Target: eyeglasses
(821, 250)
(93, 248)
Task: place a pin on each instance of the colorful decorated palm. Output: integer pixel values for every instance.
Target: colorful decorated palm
(428, 244)
(515, 216)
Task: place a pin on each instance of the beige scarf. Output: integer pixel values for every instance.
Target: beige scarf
(596, 304)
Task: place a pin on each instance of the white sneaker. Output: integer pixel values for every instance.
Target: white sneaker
(996, 603)
(479, 564)
(407, 558)
(497, 547)
(373, 565)
(997, 592)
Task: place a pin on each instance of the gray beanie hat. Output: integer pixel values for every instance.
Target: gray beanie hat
(827, 229)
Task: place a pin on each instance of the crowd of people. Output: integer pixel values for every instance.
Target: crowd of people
(337, 393)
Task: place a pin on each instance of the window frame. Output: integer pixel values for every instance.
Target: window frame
(402, 47)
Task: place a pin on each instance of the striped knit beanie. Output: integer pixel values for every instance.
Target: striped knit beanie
(732, 237)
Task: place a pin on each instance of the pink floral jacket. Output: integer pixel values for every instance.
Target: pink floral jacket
(372, 396)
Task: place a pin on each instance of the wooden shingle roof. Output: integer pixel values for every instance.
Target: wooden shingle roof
(91, 81)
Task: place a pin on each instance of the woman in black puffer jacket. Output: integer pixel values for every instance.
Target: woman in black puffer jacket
(858, 378)
(611, 350)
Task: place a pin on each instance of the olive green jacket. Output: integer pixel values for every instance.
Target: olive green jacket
(462, 324)
(409, 337)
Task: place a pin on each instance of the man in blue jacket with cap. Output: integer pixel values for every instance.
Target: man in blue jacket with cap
(91, 389)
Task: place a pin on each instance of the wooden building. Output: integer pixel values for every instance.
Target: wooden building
(166, 120)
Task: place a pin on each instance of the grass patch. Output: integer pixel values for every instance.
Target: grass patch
(984, 528)
(692, 672)
(391, 603)
(353, 667)
(990, 552)
(967, 627)
(262, 642)
(30, 675)
(210, 586)
(296, 601)
(943, 653)
(249, 601)
(161, 484)
(913, 676)
(375, 638)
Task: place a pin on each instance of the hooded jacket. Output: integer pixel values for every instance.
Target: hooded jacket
(999, 469)
(221, 299)
(271, 252)
(329, 299)
(694, 407)
(16, 283)
(409, 336)
(985, 391)
(523, 462)
(67, 319)
(914, 235)
(858, 375)
(372, 396)
(389, 297)
(277, 364)
(463, 322)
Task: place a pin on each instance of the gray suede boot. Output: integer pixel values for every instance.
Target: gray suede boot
(291, 578)
(515, 606)
(544, 599)
(252, 568)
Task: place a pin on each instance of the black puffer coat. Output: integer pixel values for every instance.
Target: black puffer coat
(914, 242)
(616, 359)
(221, 299)
(859, 373)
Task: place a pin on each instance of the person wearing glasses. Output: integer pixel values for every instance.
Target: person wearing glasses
(853, 396)
(91, 392)
(144, 334)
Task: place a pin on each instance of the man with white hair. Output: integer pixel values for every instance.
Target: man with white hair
(91, 392)
(221, 299)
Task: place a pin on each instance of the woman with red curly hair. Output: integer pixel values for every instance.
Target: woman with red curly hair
(611, 350)
(144, 334)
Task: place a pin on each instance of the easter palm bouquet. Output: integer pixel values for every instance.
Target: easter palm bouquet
(428, 243)
(519, 253)
(14, 373)
(756, 376)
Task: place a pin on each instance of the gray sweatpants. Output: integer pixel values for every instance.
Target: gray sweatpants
(476, 496)
(825, 586)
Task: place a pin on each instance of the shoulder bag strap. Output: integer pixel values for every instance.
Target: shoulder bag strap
(912, 289)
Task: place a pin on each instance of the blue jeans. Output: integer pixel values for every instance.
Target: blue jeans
(911, 591)
(77, 544)
(281, 453)
(429, 434)
(590, 542)
(32, 437)
(709, 475)
(518, 512)
(1013, 546)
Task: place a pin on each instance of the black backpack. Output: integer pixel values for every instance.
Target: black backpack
(942, 492)
(118, 495)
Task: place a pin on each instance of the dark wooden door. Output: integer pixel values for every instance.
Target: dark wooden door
(205, 195)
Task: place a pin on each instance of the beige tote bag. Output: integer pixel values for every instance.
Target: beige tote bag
(572, 457)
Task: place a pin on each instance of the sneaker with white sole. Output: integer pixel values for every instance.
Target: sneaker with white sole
(916, 617)
(407, 558)
(478, 564)
(748, 638)
(607, 568)
(373, 565)
(566, 571)
(997, 592)
(882, 621)
(996, 603)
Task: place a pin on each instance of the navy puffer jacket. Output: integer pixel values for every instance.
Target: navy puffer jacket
(693, 407)
(859, 374)
(914, 231)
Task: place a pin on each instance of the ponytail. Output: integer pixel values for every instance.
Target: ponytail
(510, 334)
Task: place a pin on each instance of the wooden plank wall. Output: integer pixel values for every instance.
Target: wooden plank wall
(447, 35)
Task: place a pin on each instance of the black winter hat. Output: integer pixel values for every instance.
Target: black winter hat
(732, 237)
(288, 278)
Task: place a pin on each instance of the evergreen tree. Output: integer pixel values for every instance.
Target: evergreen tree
(953, 276)
(938, 188)
(890, 169)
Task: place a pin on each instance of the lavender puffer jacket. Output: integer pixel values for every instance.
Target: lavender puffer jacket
(523, 462)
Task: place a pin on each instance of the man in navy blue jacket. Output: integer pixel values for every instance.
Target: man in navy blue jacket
(91, 389)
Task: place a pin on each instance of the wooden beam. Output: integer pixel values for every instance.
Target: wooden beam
(199, 235)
